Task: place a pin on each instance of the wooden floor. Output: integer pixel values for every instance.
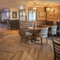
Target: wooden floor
(5, 31)
(11, 47)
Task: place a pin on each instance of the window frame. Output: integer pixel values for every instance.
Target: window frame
(28, 15)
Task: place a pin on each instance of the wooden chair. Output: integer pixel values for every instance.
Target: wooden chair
(24, 34)
(43, 33)
(56, 46)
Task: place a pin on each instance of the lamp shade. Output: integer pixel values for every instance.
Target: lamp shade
(34, 8)
(47, 9)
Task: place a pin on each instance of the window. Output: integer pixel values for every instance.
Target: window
(32, 15)
(22, 15)
(22, 12)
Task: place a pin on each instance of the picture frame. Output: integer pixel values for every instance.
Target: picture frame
(41, 14)
(14, 14)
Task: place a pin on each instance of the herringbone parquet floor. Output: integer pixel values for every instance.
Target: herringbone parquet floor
(11, 47)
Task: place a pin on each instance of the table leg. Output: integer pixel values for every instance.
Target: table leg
(33, 38)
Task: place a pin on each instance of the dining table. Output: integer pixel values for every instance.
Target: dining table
(33, 31)
(49, 26)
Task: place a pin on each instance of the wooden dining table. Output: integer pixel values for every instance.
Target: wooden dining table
(49, 26)
(33, 31)
(34, 28)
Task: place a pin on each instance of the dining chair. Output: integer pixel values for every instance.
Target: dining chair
(25, 34)
(43, 33)
(56, 47)
(58, 31)
(53, 32)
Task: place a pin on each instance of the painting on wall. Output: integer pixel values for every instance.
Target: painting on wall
(41, 14)
(14, 14)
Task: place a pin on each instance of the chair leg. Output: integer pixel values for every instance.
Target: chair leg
(41, 41)
(31, 39)
(35, 38)
(51, 37)
(26, 39)
(54, 57)
(46, 40)
(56, 36)
(21, 39)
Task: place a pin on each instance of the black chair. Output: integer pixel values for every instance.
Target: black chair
(58, 29)
(53, 32)
(56, 46)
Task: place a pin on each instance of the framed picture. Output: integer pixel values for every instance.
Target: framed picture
(14, 14)
(41, 14)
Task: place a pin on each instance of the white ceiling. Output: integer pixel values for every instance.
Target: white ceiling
(17, 3)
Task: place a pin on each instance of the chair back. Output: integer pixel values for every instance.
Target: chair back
(44, 32)
(54, 30)
(22, 31)
(56, 46)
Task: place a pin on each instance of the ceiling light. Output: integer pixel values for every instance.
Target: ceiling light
(47, 9)
(34, 7)
(21, 7)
